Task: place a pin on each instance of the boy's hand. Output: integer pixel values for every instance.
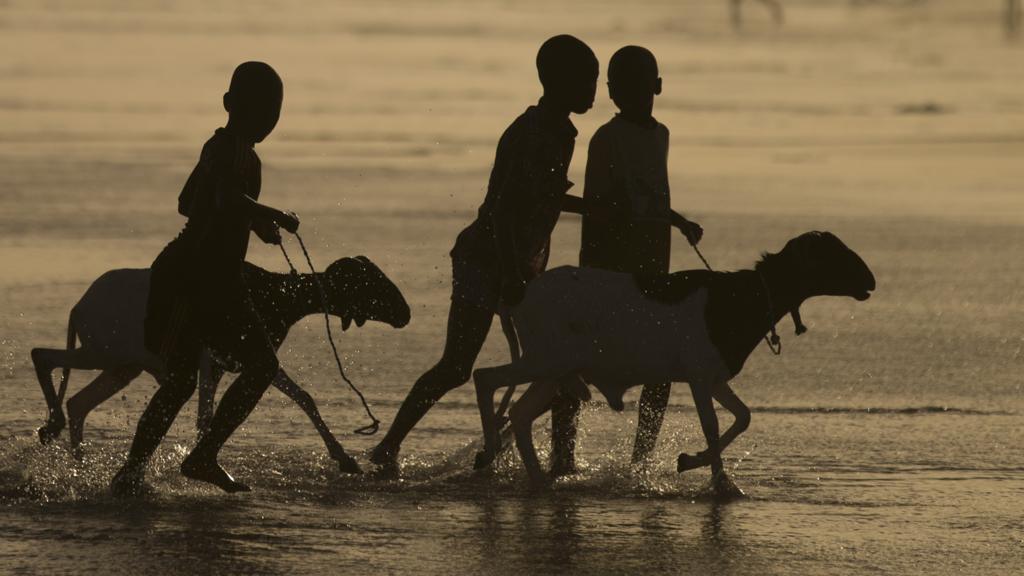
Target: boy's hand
(267, 231)
(692, 231)
(512, 291)
(289, 221)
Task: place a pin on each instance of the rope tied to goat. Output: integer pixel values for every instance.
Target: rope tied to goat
(371, 428)
(774, 342)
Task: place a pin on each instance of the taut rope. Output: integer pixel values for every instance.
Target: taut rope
(371, 428)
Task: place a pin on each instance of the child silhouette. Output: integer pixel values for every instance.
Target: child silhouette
(197, 295)
(508, 243)
(629, 228)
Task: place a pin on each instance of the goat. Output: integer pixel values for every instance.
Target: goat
(615, 331)
(108, 321)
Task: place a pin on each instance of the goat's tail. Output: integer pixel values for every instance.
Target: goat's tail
(65, 374)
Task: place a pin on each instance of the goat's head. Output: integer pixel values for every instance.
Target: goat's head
(827, 267)
(357, 290)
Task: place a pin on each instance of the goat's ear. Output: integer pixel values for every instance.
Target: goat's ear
(797, 321)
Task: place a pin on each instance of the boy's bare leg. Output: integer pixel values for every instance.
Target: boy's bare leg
(260, 366)
(653, 401)
(468, 325)
(156, 420)
(236, 405)
(565, 410)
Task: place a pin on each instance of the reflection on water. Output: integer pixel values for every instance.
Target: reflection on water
(887, 439)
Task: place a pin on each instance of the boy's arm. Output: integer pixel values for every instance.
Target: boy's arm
(587, 206)
(693, 231)
(597, 198)
(262, 214)
(231, 197)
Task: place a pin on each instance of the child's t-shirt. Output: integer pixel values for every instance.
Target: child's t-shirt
(627, 172)
(216, 235)
(527, 184)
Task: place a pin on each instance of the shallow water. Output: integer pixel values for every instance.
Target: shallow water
(887, 439)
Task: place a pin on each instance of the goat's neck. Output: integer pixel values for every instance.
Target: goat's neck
(785, 289)
(295, 296)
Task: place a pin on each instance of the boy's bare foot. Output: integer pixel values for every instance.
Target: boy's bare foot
(127, 483)
(207, 470)
(724, 488)
(562, 467)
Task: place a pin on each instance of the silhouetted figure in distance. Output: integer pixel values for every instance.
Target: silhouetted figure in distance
(627, 176)
(1013, 12)
(736, 11)
(507, 245)
(197, 296)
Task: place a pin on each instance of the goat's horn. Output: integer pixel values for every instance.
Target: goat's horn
(797, 321)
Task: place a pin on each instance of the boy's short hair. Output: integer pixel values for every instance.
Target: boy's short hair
(564, 56)
(255, 79)
(632, 66)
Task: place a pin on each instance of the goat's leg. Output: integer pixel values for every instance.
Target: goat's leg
(285, 384)
(487, 382)
(534, 402)
(45, 360)
(108, 383)
(741, 414)
(209, 379)
(702, 399)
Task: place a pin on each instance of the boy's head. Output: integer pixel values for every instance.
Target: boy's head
(253, 100)
(633, 80)
(568, 71)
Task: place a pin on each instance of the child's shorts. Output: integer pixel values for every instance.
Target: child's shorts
(476, 283)
(179, 323)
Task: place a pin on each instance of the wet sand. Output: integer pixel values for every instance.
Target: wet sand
(887, 439)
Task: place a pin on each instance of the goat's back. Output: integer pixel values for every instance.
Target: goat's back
(110, 316)
(600, 324)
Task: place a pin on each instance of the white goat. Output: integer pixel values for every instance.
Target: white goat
(108, 321)
(615, 331)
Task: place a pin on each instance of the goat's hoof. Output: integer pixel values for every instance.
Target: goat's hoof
(348, 464)
(387, 470)
(50, 432)
(484, 459)
(687, 462)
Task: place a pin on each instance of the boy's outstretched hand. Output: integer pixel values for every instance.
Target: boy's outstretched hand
(692, 231)
(289, 221)
(267, 231)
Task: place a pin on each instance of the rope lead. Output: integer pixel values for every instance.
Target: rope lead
(374, 426)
